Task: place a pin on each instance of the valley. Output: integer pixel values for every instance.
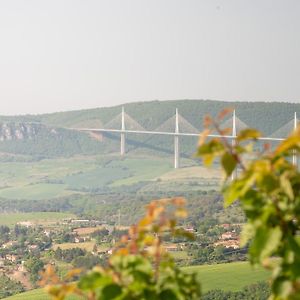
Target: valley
(67, 196)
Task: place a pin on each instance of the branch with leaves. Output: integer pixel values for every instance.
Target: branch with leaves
(268, 189)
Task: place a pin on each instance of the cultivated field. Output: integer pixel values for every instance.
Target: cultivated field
(53, 178)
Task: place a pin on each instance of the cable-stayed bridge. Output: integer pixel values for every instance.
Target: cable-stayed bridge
(177, 126)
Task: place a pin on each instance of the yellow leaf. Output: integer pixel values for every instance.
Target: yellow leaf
(290, 143)
(248, 134)
(181, 213)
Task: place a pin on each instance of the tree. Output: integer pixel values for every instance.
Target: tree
(34, 265)
(9, 287)
(86, 262)
(258, 291)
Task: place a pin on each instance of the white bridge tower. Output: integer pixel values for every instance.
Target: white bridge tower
(123, 133)
(294, 153)
(176, 142)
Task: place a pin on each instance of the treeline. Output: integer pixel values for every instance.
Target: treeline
(201, 205)
(79, 258)
(258, 291)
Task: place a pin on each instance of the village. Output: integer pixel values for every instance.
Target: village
(27, 247)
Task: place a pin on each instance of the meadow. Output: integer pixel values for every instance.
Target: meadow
(228, 277)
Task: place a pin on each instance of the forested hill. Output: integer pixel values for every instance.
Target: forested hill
(263, 115)
(268, 117)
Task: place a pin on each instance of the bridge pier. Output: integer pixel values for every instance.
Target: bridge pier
(295, 162)
(176, 142)
(123, 133)
(234, 173)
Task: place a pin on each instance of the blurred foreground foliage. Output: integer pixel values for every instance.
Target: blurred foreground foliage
(267, 185)
(139, 268)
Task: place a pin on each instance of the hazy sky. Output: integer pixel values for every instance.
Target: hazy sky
(68, 54)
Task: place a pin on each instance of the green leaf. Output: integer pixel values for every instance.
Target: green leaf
(229, 163)
(237, 189)
(248, 134)
(290, 143)
(168, 294)
(268, 182)
(283, 288)
(265, 243)
(110, 291)
(93, 280)
(247, 234)
(232, 192)
(286, 186)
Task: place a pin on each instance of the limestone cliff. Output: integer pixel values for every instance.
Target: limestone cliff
(19, 131)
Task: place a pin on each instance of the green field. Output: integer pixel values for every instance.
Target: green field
(141, 170)
(228, 277)
(35, 191)
(53, 178)
(11, 219)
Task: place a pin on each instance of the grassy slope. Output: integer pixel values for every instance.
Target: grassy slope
(230, 277)
(35, 191)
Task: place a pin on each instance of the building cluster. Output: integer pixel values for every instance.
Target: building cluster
(230, 238)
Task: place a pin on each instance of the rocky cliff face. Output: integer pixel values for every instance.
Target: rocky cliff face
(18, 131)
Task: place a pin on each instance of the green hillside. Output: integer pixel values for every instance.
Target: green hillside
(54, 141)
(227, 277)
(262, 115)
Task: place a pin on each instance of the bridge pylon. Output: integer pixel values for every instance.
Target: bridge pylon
(295, 162)
(176, 142)
(123, 133)
(234, 173)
